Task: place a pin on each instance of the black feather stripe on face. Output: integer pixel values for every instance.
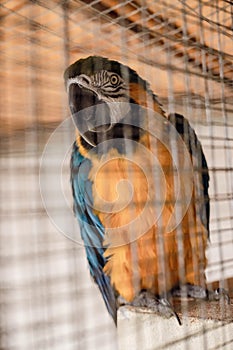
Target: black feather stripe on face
(99, 69)
(93, 64)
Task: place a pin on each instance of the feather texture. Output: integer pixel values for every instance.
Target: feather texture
(92, 231)
(139, 231)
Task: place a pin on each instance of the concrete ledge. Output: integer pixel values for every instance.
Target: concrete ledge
(205, 325)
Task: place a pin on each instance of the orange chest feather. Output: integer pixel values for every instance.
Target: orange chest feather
(134, 199)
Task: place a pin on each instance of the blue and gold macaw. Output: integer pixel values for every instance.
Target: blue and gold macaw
(159, 261)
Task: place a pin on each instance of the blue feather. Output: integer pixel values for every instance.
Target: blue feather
(92, 231)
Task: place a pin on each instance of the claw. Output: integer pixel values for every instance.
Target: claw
(160, 305)
(165, 303)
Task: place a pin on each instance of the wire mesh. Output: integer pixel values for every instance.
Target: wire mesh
(183, 49)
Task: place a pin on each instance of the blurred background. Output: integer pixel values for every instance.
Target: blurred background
(183, 48)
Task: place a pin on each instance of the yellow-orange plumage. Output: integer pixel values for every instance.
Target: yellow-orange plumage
(149, 260)
(143, 205)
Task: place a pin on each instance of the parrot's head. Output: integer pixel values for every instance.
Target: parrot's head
(103, 90)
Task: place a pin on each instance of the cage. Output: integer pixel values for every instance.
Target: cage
(183, 49)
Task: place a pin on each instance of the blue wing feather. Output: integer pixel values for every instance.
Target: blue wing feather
(92, 231)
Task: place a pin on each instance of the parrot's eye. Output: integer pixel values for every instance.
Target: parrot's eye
(114, 79)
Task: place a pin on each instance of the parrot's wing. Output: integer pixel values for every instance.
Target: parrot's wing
(199, 161)
(92, 231)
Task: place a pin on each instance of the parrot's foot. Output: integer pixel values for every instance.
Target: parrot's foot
(198, 292)
(190, 291)
(156, 304)
(219, 294)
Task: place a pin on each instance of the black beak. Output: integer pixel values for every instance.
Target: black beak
(90, 114)
(81, 98)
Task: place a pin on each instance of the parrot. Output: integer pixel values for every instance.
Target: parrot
(137, 252)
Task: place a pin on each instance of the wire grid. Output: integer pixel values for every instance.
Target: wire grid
(183, 48)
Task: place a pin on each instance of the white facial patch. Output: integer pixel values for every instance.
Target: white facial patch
(83, 81)
(118, 110)
(100, 85)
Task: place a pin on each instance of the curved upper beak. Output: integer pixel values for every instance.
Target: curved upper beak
(81, 98)
(90, 114)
